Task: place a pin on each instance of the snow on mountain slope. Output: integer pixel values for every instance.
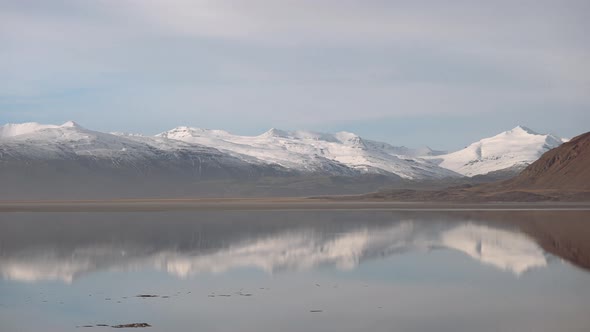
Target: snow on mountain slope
(260, 149)
(70, 139)
(11, 130)
(66, 141)
(341, 153)
(310, 151)
(97, 150)
(276, 151)
(515, 148)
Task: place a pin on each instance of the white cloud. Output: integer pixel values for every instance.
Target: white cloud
(295, 59)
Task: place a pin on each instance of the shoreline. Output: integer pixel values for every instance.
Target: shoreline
(274, 204)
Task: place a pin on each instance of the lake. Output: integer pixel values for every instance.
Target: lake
(295, 270)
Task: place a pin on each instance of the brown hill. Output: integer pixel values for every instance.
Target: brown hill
(566, 167)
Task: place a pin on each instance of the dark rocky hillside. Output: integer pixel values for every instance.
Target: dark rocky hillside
(564, 168)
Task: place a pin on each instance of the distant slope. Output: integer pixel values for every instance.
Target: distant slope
(294, 152)
(564, 168)
(40, 161)
(12, 130)
(510, 151)
(42, 152)
(274, 152)
(306, 151)
(69, 161)
(562, 173)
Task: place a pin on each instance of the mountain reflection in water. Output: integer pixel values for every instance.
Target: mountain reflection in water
(68, 246)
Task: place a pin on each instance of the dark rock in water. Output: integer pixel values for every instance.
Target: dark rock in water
(316, 311)
(132, 325)
(102, 325)
(146, 295)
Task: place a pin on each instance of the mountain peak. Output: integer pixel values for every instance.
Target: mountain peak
(525, 129)
(184, 132)
(274, 132)
(517, 147)
(70, 124)
(350, 138)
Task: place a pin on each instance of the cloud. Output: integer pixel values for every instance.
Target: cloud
(300, 62)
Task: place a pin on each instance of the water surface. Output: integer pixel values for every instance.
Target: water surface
(288, 271)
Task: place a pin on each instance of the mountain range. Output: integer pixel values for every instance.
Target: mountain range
(561, 174)
(32, 154)
(342, 153)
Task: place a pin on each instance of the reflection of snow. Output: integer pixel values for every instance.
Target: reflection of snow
(43, 268)
(503, 249)
(290, 250)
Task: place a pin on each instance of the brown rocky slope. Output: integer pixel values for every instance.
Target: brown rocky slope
(564, 168)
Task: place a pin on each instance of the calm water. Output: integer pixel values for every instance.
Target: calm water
(283, 271)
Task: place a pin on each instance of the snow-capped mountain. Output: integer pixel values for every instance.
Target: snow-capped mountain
(299, 152)
(317, 152)
(202, 153)
(68, 145)
(513, 149)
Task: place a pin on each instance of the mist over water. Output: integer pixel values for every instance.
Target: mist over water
(288, 271)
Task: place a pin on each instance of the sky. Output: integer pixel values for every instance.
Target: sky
(414, 73)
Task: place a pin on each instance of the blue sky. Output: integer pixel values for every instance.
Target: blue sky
(408, 72)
